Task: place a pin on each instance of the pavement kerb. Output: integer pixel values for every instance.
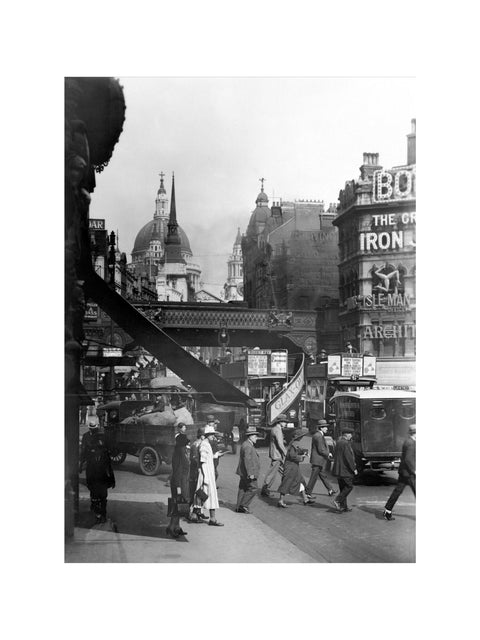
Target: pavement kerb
(244, 538)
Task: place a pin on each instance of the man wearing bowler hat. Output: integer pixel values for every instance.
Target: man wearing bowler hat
(344, 468)
(277, 451)
(248, 470)
(406, 471)
(319, 456)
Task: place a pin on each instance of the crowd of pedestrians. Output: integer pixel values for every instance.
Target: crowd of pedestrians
(193, 479)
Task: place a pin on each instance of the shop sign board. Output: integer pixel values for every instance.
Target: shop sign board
(112, 352)
(91, 311)
(97, 224)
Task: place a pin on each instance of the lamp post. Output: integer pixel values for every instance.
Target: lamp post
(111, 282)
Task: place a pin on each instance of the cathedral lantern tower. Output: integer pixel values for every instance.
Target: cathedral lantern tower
(161, 208)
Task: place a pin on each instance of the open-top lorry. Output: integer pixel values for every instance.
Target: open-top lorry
(135, 427)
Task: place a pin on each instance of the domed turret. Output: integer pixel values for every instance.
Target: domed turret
(260, 214)
(262, 199)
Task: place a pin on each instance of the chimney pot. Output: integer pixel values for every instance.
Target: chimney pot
(411, 143)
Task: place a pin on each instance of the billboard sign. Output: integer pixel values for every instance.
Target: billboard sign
(287, 396)
(258, 362)
(279, 362)
(334, 364)
(369, 366)
(351, 366)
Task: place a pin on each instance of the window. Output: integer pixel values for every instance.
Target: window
(407, 409)
(389, 345)
(348, 409)
(377, 410)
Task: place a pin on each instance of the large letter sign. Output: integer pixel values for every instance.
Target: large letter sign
(394, 185)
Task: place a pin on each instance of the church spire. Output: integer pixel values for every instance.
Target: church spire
(238, 239)
(172, 242)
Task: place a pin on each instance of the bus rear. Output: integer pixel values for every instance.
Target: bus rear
(380, 419)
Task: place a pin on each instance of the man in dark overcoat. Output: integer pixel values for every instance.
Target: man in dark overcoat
(99, 472)
(344, 468)
(406, 471)
(248, 470)
(319, 456)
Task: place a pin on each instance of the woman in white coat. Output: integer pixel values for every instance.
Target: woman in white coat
(206, 475)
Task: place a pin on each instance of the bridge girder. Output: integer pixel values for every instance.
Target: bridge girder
(201, 324)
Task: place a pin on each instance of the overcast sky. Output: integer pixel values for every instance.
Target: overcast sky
(306, 136)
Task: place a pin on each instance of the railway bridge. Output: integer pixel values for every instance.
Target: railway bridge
(205, 324)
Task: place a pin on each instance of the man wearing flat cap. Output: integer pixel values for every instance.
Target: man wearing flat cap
(248, 470)
(406, 471)
(319, 456)
(344, 468)
(277, 451)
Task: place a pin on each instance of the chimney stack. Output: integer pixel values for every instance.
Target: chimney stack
(369, 166)
(412, 144)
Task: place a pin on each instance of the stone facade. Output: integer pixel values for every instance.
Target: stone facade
(377, 270)
(290, 254)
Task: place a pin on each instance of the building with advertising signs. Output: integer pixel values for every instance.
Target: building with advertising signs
(376, 220)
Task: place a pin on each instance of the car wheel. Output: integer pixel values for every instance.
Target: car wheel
(117, 457)
(149, 461)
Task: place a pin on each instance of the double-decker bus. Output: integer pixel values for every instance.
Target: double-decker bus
(342, 371)
(263, 375)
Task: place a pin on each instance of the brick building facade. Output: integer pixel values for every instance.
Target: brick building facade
(290, 254)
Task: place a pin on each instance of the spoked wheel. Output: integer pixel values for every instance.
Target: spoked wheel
(149, 461)
(117, 457)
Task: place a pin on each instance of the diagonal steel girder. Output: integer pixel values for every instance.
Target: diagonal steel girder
(159, 344)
